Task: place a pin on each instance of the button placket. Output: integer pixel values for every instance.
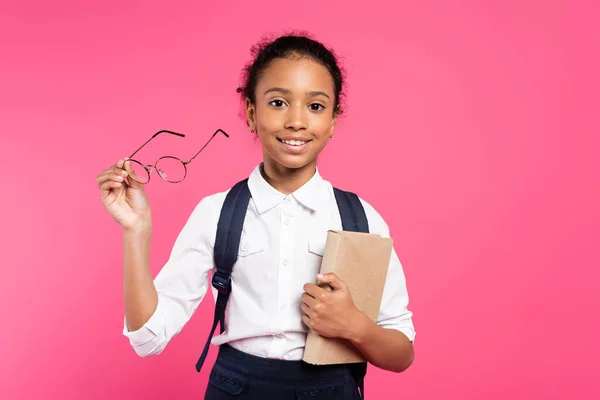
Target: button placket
(286, 260)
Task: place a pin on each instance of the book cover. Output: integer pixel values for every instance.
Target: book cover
(361, 260)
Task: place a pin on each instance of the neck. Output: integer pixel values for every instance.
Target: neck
(287, 180)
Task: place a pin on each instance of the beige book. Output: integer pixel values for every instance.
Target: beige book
(361, 260)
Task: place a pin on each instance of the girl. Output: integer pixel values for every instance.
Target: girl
(291, 92)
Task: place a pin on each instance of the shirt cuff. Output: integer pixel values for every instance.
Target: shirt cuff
(148, 332)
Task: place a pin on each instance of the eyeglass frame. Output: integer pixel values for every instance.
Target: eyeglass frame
(148, 167)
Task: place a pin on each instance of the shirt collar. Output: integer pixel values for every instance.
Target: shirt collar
(266, 196)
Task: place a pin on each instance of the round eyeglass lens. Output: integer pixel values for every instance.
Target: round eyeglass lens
(171, 169)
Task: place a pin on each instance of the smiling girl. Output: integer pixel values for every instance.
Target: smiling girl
(291, 92)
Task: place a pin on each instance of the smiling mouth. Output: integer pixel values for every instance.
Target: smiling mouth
(293, 142)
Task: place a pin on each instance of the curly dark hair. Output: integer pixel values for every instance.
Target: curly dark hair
(291, 45)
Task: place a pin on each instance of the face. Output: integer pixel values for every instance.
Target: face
(294, 112)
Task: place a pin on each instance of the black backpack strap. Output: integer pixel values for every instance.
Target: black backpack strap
(227, 243)
(354, 219)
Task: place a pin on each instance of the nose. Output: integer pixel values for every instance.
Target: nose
(296, 118)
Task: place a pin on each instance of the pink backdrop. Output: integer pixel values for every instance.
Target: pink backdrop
(472, 128)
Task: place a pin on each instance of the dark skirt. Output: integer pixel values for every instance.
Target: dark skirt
(241, 376)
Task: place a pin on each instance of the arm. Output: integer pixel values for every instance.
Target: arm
(156, 311)
(388, 343)
(140, 295)
(388, 349)
(126, 201)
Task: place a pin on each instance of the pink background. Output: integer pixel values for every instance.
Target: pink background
(472, 128)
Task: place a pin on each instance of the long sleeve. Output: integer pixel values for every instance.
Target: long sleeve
(181, 283)
(393, 312)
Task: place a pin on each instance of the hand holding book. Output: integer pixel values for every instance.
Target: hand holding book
(328, 307)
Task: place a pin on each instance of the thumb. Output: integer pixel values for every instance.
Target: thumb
(332, 279)
(127, 166)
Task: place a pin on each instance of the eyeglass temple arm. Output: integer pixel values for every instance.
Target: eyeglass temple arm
(155, 135)
(206, 144)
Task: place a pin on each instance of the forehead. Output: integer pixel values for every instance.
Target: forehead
(301, 74)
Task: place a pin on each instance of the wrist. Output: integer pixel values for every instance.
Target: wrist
(140, 229)
(359, 329)
(142, 225)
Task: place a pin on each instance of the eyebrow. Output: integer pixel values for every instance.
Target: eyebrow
(288, 92)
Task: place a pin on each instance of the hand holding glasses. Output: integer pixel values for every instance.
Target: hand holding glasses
(126, 201)
(169, 168)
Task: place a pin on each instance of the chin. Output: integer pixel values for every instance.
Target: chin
(293, 162)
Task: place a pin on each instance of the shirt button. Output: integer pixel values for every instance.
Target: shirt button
(286, 221)
(288, 199)
(282, 307)
(245, 246)
(285, 261)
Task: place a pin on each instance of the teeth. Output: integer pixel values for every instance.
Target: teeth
(294, 142)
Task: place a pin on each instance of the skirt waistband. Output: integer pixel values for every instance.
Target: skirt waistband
(279, 370)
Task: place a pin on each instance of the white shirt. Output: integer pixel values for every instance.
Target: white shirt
(280, 250)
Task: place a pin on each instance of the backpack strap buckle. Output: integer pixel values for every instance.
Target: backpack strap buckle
(222, 282)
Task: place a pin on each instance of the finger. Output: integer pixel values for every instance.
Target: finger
(113, 168)
(307, 310)
(112, 174)
(120, 166)
(123, 163)
(332, 280)
(314, 290)
(309, 300)
(107, 186)
(307, 321)
(117, 168)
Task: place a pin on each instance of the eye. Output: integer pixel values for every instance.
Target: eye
(277, 103)
(317, 107)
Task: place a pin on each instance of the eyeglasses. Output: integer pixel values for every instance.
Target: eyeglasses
(169, 168)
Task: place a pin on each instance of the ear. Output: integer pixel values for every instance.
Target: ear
(250, 114)
(332, 127)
